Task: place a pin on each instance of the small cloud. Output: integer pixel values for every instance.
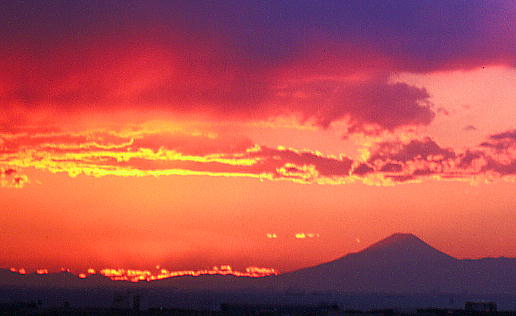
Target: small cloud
(470, 128)
(362, 169)
(507, 135)
(9, 178)
(9, 172)
(392, 167)
(443, 111)
(401, 178)
(306, 235)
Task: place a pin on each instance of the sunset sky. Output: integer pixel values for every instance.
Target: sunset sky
(281, 134)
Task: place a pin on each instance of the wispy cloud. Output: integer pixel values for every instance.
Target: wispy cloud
(143, 152)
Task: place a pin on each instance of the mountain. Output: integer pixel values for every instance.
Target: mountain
(61, 279)
(399, 264)
(403, 263)
(9, 278)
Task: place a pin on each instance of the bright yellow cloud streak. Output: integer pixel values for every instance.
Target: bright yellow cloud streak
(155, 152)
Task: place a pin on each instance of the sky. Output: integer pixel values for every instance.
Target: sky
(284, 134)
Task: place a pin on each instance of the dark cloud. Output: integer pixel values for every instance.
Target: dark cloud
(424, 172)
(423, 150)
(501, 141)
(509, 135)
(373, 103)
(323, 61)
(391, 167)
(422, 35)
(401, 178)
(362, 169)
(412, 160)
(508, 168)
(469, 157)
(325, 166)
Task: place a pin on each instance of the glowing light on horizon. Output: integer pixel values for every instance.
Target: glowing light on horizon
(136, 275)
(272, 235)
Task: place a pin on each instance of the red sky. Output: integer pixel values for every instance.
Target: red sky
(136, 134)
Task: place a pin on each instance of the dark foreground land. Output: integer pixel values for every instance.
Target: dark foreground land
(212, 300)
(58, 302)
(423, 277)
(34, 309)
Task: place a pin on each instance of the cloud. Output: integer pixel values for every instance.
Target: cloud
(375, 103)
(322, 62)
(150, 77)
(162, 152)
(156, 152)
(417, 159)
(501, 142)
(9, 178)
(508, 135)
(425, 149)
(362, 169)
(391, 167)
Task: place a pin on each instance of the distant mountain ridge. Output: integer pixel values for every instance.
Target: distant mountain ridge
(403, 263)
(400, 263)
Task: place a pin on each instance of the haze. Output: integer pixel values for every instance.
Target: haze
(283, 134)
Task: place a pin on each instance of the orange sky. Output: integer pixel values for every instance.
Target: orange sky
(155, 147)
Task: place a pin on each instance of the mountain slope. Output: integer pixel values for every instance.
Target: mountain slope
(403, 263)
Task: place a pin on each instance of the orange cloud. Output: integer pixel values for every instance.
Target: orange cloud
(145, 152)
(156, 153)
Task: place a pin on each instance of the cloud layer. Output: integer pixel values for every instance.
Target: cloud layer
(155, 152)
(419, 158)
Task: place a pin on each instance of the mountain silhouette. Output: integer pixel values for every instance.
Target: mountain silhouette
(403, 263)
(398, 264)
(404, 248)
(61, 279)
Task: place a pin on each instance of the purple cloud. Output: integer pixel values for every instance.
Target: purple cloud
(321, 61)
